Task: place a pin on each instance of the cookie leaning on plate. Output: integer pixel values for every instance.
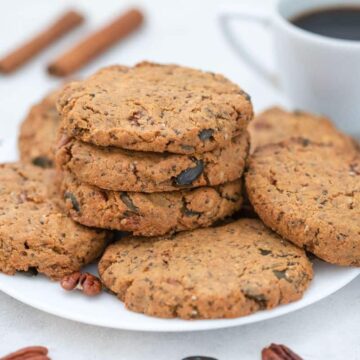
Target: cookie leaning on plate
(35, 233)
(310, 194)
(38, 133)
(223, 272)
(150, 214)
(117, 169)
(275, 125)
(152, 107)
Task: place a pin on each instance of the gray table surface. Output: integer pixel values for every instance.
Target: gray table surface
(327, 330)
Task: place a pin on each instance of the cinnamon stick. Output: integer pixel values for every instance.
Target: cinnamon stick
(64, 24)
(96, 43)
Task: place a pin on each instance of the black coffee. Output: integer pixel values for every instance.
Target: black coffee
(339, 22)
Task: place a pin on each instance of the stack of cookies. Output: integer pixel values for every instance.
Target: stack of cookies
(157, 149)
(152, 149)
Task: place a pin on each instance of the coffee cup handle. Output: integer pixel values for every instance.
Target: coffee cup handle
(250, 15)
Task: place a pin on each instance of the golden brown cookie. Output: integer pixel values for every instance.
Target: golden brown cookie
(275, 125)
(38, 133)
(223, 272)
(150, 214)
(117, 169)
(310, 194)
(35, 233)
(152, 107)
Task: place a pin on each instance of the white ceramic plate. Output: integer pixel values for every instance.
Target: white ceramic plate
(105, 310)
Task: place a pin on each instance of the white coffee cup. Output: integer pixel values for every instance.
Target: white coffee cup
(316, 73)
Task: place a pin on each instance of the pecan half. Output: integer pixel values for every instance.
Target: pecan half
(89, 284)
(28, 353)
(278, 352)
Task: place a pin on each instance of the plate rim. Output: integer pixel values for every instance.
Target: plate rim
(196, 325)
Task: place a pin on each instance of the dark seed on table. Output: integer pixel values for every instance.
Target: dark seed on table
(189, 175)
(75, 204)
(128, 202)
(199, 358)
(42, 161)
(206, 134)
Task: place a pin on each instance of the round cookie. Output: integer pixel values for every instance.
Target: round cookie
(123, 170)
(275, 125)
(150, 214)
(310, 194)
(35, 232)
(158, 108)
(38, 133)
(222, 272)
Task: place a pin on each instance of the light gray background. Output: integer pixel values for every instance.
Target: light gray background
(184, 32)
